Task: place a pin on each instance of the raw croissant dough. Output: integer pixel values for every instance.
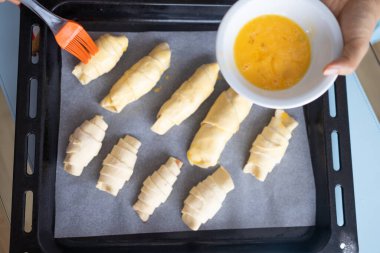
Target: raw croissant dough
(157, 188)
(222, 121)
(139, 79)
(118, 165)
(111, 48)
(206, 198)
(84, 145)
(187, 98)
(270, 146)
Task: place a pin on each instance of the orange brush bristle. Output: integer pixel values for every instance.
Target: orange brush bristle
(74, 39)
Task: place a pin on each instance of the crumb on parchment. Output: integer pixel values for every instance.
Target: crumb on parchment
(158, 89)
(220, 77)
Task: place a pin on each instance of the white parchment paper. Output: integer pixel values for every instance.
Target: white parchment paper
(286, 198)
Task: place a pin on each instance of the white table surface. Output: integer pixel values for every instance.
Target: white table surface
(364, 128)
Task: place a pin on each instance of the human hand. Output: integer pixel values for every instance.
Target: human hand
(357, 19)
(17, 2)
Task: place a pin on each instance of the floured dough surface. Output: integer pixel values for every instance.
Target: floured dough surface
(270, 146)
(84, 145)
(118, 165)
(206, 198)
(157, 188)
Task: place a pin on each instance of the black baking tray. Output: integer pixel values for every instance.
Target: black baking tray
(162, 15)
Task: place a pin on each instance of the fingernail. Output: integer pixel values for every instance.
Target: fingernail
(331, 71)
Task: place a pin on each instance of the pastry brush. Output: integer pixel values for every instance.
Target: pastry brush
(69, 35)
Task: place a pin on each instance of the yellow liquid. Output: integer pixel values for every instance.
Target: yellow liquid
(272, 52)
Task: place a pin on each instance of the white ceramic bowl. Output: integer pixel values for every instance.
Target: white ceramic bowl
(326, 44)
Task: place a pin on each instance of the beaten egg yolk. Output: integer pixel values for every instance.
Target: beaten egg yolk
(272, 52)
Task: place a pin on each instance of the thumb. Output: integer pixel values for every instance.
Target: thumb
(16, 2)
(353, 53)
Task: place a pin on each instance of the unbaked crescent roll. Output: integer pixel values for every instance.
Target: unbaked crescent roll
(222, 121)
(84, 145)
(139, 79)
(157, 188)
(206, 198)
(270, 146)
(118, 165)
(187, 98)
(111, 48)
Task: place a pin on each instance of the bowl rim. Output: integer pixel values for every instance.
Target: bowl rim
(261, 100)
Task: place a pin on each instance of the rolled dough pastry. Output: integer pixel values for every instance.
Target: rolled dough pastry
(157, 188)
(111, 48)
(139, 79)
(270, 146)
(206, 198)
(118, 165)
(84, 145)
(187, 98)
(222, 121)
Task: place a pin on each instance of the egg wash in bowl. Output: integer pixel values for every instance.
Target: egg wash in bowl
(272, 52)
(301, 82)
